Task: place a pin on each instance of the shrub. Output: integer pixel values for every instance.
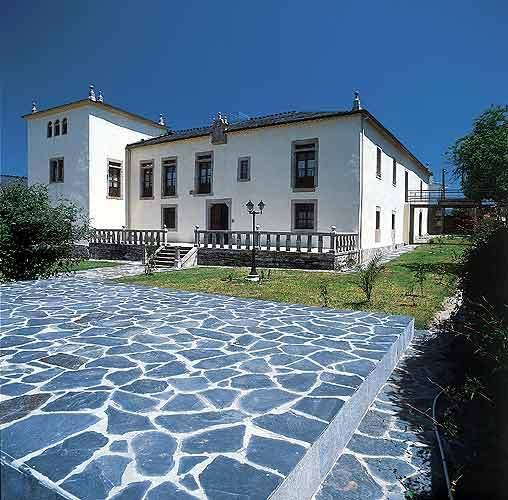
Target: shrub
(368, 274)
(324, 297)
(37, 236)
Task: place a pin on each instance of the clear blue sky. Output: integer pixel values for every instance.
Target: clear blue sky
(425, 69)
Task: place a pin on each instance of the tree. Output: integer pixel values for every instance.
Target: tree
(480, 159)
(37, 236)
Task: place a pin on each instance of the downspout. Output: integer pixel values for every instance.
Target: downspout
(360, 206)
(127, 179)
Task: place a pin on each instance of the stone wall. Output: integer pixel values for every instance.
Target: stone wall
(109, 251)
(287, 260)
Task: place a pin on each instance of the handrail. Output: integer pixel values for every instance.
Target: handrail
(289, 241)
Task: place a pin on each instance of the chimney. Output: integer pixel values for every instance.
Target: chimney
(91, 93)
(34, 107)
(100, 98)
(356, 102)
(161, 120)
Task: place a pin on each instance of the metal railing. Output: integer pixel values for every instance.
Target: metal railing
(287, 241)
(435, 196)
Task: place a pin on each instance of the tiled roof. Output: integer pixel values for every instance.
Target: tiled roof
(255, 122)
(272, 120)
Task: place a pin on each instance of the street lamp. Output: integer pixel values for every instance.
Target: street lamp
(253, 275)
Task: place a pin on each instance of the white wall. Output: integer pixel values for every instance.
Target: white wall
(382, 193)
(109, 134)
(73, 147)
(94, 135)
(270, 151)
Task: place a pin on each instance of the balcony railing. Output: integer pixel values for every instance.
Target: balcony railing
(318, 242)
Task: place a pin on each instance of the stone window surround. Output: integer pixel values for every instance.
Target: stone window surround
(50, 127)
(108, 162)
(240, 159)
(196, 173)
(293, 218)
(143, 164)
(169, 205)
(218, 201)
(302, 142)
(57, 181)
(175, 158)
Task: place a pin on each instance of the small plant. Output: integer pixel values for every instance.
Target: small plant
(323, 294)
(150, 259)
(229, 277)
(420, 276)
(368, 274)
(411, 294)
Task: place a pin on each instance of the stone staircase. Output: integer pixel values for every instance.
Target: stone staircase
(168, 256)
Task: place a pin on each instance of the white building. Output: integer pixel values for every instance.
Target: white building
(313, 170)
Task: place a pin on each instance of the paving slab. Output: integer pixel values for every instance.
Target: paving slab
(156, 393)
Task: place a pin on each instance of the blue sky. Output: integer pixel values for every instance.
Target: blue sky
(424, 69)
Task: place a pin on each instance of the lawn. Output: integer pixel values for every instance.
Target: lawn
(84, 265)
(393, 293)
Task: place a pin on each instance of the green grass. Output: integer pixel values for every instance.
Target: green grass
(84, 265)
(390, 293)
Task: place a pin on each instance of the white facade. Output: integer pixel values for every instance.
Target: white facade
(96, 133)
(348, 191)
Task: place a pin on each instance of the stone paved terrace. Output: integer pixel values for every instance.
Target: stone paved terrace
(127, 392)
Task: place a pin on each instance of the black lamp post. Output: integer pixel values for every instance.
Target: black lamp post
(253, 275)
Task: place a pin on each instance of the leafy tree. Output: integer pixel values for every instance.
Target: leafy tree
(480, 158)
(37, 236)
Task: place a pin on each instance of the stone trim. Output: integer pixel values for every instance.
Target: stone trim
(303, 142)
(293, 218)
(142, 165)
(122, 178)
(175, 158)
(240, 159)
(167, 205)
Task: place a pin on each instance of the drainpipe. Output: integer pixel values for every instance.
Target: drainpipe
(360, 207)
(127, 186)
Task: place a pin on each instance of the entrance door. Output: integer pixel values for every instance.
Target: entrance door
(218, 219)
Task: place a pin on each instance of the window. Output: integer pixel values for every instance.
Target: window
(169, 217)
(393, 221)
(394, 172)
(244, 169)
(114, 179)
(406, 185)
(304, 215)
(378, 163)
(64, 126)
(57, 127)
(378, 225)
(305, 154)
(204, 166)
(50, 129)
(56, 170)
(147, 179)
(169, 177)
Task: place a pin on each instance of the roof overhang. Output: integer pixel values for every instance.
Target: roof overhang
(101, 105)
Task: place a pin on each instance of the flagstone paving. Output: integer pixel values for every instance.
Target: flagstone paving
(123, 391)
(390, 454)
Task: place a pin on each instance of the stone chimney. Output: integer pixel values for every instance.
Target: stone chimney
(218, 129)
(100, 97)
(34, 107)
(356, 102)
(91, 93)
(161, 120)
